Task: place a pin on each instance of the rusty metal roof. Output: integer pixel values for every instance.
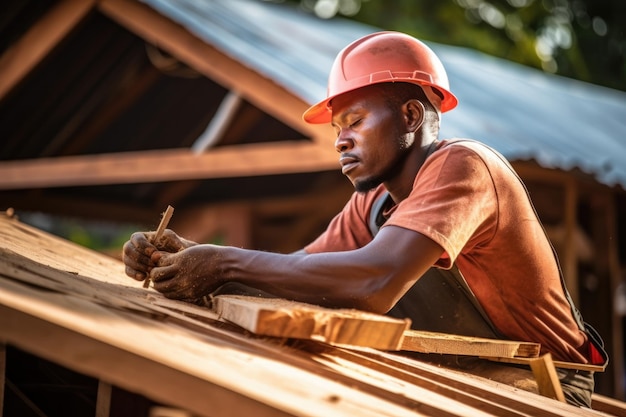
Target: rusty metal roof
(524, 113)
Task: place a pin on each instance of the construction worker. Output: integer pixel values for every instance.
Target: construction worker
(440, 231)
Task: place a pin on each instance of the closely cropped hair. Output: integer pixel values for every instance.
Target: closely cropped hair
(396, 94)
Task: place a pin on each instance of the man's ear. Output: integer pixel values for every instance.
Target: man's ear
(414, 114)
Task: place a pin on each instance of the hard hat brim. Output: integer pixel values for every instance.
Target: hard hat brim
(322, 112)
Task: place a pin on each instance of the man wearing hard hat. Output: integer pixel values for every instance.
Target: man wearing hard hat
(442, 232)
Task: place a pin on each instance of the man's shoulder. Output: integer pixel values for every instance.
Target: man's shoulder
(464, 143)
(462, 146)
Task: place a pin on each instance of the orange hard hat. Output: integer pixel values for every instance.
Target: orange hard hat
(380, 58)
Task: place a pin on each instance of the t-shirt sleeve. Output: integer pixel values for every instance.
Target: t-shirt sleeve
(349, 229)
(453, 202)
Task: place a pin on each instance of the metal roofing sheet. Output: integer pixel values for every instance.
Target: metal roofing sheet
(522, 112)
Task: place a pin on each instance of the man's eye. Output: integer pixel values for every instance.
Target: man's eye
(356, 123)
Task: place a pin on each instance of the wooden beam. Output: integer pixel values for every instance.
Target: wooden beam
(204, 58)
(282, 318)
(218, 125)
(167, 165)
(40, 39)
(432, 342)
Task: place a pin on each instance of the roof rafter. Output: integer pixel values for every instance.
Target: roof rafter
(180, 43)
(35, 45)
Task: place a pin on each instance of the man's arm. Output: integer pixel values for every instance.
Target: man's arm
(371, 278)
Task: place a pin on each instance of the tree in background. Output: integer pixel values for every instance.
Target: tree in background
(581, 39)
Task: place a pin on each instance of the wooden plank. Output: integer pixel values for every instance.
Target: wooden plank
(40, 39)
(431, 342)
(547, 379)
(608, 405)
(167, 165)
(558, 364)
(63, 255)
(289, 319)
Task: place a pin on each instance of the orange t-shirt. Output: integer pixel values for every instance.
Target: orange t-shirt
(469, 201)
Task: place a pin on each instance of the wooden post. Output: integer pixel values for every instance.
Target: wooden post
(103, 402)
(607, 272)
(616, 348)
(570, 253)
(547, 379)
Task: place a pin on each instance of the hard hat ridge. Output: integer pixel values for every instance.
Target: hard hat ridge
(384, 57)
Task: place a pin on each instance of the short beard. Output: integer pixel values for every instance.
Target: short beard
(367, 185)
(371, 183)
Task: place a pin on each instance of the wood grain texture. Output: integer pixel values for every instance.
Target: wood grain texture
(431, 342)
(76, 307)
(547, 379)
(289, 319)
(557, 364)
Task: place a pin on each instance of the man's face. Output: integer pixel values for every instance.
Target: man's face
(371, 137)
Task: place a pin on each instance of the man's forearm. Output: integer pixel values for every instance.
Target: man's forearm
(340, 279)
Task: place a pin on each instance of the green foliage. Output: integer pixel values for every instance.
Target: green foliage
(581, 39)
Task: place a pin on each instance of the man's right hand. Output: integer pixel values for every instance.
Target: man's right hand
(139, 250)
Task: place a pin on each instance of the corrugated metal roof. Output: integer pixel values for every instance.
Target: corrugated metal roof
(522, 112)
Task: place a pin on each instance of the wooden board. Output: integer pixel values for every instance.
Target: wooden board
(431, 342)
(608, 405)
(557, 364)
(289, 319)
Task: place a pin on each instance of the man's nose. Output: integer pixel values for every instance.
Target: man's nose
(343, 142)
